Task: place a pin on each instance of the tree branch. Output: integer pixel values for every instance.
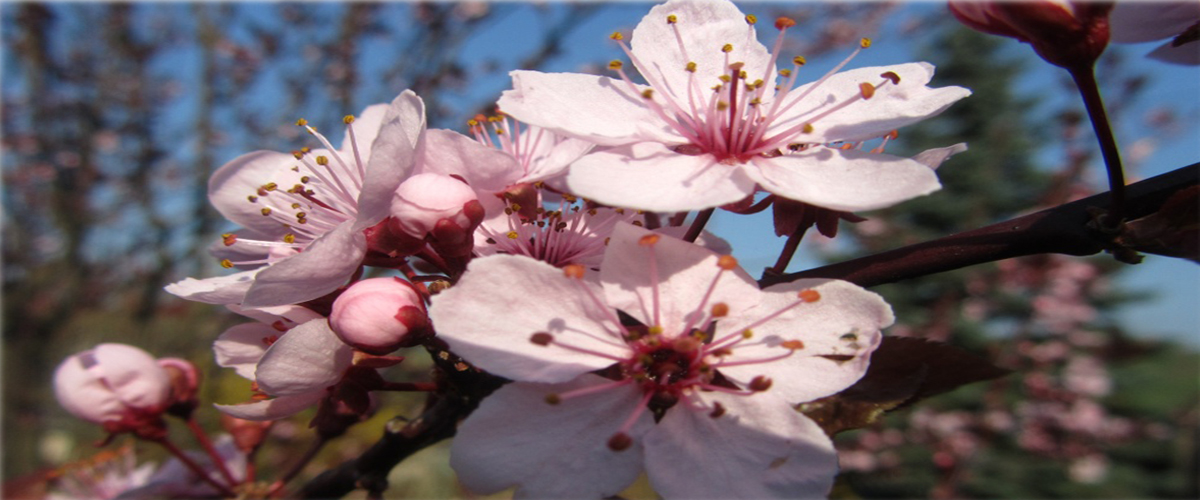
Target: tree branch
(1064, 229)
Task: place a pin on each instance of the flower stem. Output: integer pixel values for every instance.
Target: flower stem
(697, 227)
(298, 466)
(205, 443)
(785, 255)
(1085, 80)
(194, 467)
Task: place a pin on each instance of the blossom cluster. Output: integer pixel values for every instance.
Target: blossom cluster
(533, 248)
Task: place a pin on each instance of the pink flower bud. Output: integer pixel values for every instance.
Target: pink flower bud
(379, 315)
(426, 199)
(117, 385)
(185, 383)
(1066, 34)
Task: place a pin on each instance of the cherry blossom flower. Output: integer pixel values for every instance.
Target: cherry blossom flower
(710, 126)
(304, 213)
(673, 362)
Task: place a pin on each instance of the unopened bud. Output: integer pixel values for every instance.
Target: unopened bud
(379, 315)
(116, 385)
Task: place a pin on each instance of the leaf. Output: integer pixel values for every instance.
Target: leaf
(903, 370)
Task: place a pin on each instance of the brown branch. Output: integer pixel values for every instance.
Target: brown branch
(1064, 229)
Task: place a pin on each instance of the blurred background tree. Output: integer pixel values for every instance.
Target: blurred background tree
(115, 115)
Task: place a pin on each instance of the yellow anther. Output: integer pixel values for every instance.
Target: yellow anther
(574, 271)
(808, 128)
(866, 90)
(891, 75)
(322, 160)
(305, 179)
(512, 235)
(226, 263)
(305, 149)
(671, 19)
(648, 94)
(722, 105)
(865, 43)
(615, 65)
(727, 48)
(655, 330)
(252, 198)
(617, 36)
(270, 186)
(298, 154)
(747, 334)
(301, 215)
(758, 83)
(785, 73)
(751, 19)
(301, 122)
(266, 211)
(295, 205)
(472, 123)
(690, 67)
(799, 61)
(289, 238)
(726, 78)
(348, 119)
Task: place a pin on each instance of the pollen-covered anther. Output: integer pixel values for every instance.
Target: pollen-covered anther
(541, 338)
(785, 73)
(348, 119)
(809, 295)
(792, 345)
(720, 310)
(266, 211)
(615, 65)
(799, 61)
(747, 334)
(891, 75)
(751, 19)
(717, 411)
(727, 262)
(648, 240)
(289, 238)
(808, 128)
(301, 122)
(228, 239)
(226, 263)
(782, 23)
(865, 43)
(671, 19)
(574, 271)
(866, 90)
(620, 441)
(760, 384)
(322, 160)
(617, 36)
(648, 94)
(727, 48)
(553, 399)
(690, 67)
(512, 235)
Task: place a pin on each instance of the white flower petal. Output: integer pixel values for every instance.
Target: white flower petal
(134, 375)
(760, 448)
(845, 180)
(892, 107)
(933, 158)
(310, 357)
(228, 289)
(485, 169)
(648, 176)
(393, 155)
(321, 268)
(241, 347)
(232, 184)
(845, 321)
(515, 438)
(596, 108)
(273, 409)
(489, 316)
(684, 273)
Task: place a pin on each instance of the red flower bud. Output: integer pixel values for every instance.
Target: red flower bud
(1066, 34)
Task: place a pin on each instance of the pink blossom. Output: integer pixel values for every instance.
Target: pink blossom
(679, 143)
(304, 213)
(117, 385)
(1135, 22)
(709, 371)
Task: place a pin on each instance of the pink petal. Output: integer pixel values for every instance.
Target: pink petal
(310, 357)
(892, 107)
(845, 321)
(1187, 54)
(81, 391)
(510, 298)
(515, 438)
(1131, 22)
(273, 409)
(393, 155)
(551, 161)
(288, 313)
(760, 448)
(242, 346)
(684, 274)
(321, 268)
(133, 374)
(366, 128)
(648, 176)
(232, 184)
(485, 169)
(596, 108)
(933, 158)
(704, 28)
(228, 289)
(845, 180)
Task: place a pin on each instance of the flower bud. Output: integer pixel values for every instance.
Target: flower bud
(1066, 34)
(185, 383)
(423, 200)
(117, 385)
(379, 315)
